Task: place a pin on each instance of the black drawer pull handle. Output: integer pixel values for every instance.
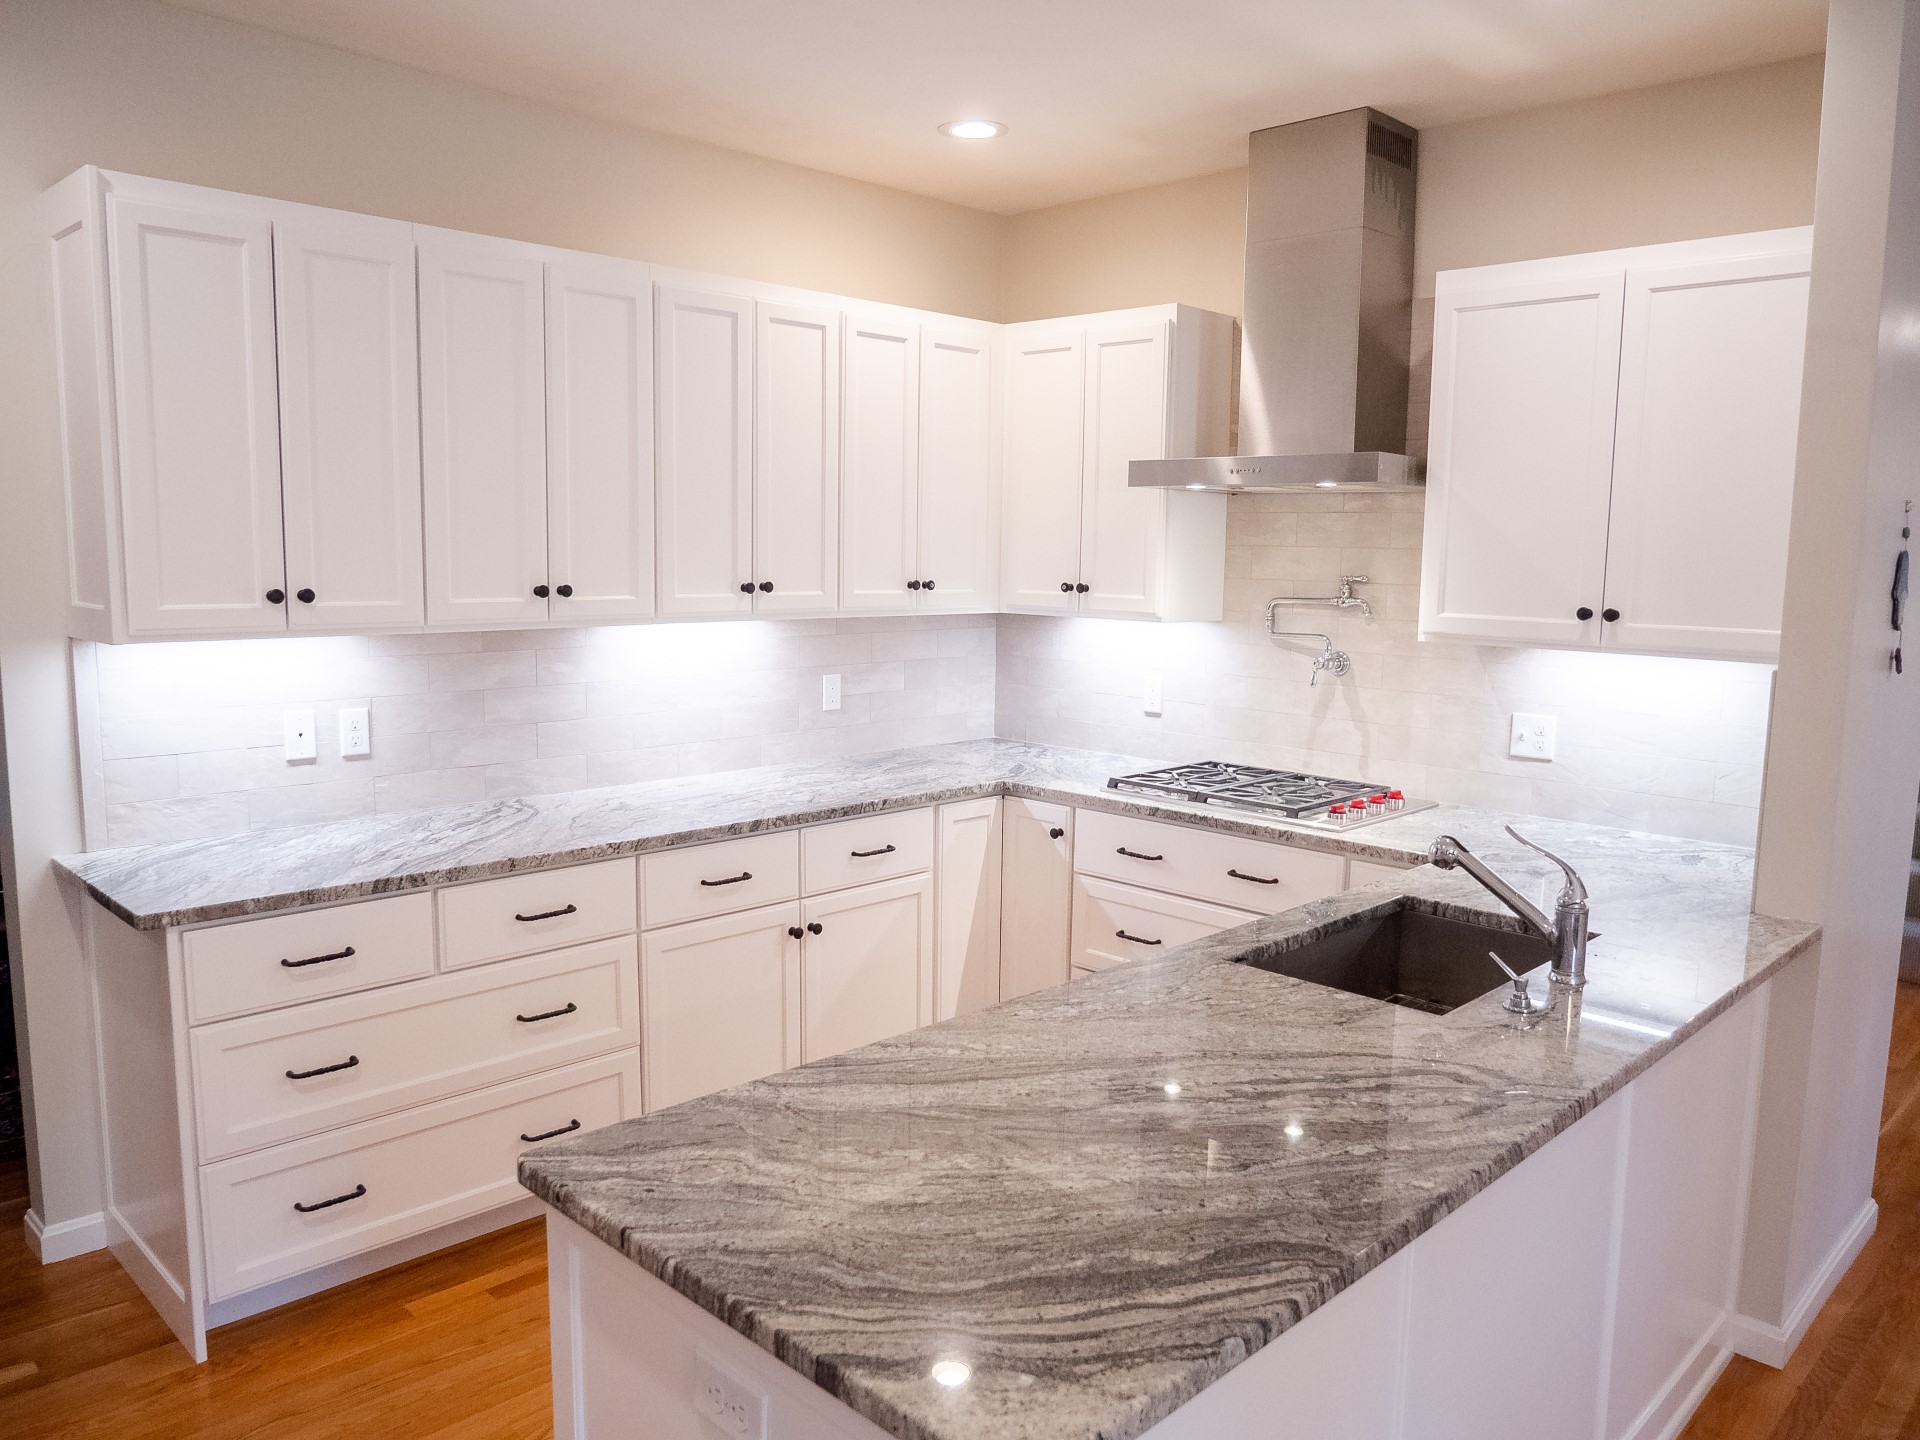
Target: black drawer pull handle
(566, 1129)
(869, 854)
(1055, 833)
(730, 880)
(547, 914)
(566, 1009)
(1137, 939)
(1135, 854)
(353, 1194)
(1256, 879)
(346, 1064)
(346, 954)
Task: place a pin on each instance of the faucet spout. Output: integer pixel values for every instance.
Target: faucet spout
(1566, 931)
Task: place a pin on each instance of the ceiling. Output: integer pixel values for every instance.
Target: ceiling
(1098, 95)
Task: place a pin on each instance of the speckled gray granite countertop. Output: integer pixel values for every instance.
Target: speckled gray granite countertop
(190, 881)
(1018, 1188)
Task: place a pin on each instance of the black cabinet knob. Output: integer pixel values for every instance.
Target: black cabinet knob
(766, 587)
(276, 596)
(1585, 612)
(305, 597)
(1055, 832)
(541, 591)
(1082, 588)
(1066, 587)
(795, 931)
(746, 587)
(926, 584)
(813, 927)
(1609, 615)
(563, 591)
(913, 584)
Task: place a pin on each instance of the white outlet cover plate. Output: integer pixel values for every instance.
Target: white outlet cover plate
(729, 1404)
(1532, 738)
(829, 692)
(298, 733)
(1155, 695)
(354, 736)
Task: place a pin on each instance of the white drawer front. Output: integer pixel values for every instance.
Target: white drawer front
(268, 1078)
(1206, 864)
(704, 880)
(541, 910)
(1113, 923)
(419, 1169)
(1367, 872)
(284, 959)
(874, 847)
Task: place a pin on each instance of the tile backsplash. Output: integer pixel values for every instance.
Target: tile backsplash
(184, 740)
(1649, 743)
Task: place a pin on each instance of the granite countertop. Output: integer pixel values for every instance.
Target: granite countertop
(1019, 1188)
(192, 881)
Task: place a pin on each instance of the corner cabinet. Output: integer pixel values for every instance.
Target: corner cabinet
(1085, 398)
(1612, 449)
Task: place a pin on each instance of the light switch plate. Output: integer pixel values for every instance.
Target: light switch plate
(298, 733)
(829, 692)
(354, 736)
(1155, 700)
(1533, 737)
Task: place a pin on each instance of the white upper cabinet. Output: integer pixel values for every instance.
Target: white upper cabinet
(349, 421)
(796, 459)
(704, 411)
(483, 428)
(599, 441)
(199, 434)
(1612, 448)
(1126, 420)
(880, 491)
(1704, 455)
(958, 505)
(1040, 539)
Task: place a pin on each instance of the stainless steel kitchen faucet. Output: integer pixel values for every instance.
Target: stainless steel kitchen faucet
(1566, 932)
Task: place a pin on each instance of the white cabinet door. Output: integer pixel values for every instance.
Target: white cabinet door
(192, 305)
(866, 966)
(1520, 460)
(966, 954)
(703, 371)
(958, 510)
(600, 441)
(1040, 541)
(1704, 455)
(1121, 529)
(1036, 895)
(796, 459)
(483, 429)
(349, 421)
(880, 491)
(721, 1002)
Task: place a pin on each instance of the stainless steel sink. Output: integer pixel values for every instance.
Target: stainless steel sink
(1408, 957)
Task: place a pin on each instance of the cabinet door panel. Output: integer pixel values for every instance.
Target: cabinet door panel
(1040, 543)
(1704, 458)
(958, 502)
(1521, 460)
(199, 421)
(483, 429)
(880, 493)
(350, 420)
(1121, 529)
(1036, 895)
(722, 1002)
(704, 373)
(796, 459)
(966, 957)
(866, 975)
(600, 441)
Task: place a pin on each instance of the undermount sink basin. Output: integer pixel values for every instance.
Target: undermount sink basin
(1408, 957)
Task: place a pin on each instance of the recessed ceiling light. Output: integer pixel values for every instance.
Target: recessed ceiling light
(952, 1373)
(973, 129)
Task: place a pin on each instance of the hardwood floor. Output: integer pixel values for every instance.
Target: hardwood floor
(455, 1345)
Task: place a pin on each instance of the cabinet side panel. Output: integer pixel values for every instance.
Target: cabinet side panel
(82, 378)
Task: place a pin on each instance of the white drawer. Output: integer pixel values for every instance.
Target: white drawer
(1113, 923)
(1206, 864)
(1367, 872)
(541, 910)
(874, 847)
(268, 1078)
(405, 1173)
(284, 959)
(704, 880)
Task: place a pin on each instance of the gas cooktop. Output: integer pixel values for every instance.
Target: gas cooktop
(1317, 800)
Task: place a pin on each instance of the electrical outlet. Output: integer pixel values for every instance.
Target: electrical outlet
(354, 736)
(298, 733)
(1154, 699)
(829, 692)
(1532, 737)
(726, 1402)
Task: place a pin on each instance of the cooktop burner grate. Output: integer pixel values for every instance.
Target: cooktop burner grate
(1250, 787)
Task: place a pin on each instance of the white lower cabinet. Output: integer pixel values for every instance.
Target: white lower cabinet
(866, 971)
(1114, 923)
(966, 954)
(1036, 895)
(722, 1002)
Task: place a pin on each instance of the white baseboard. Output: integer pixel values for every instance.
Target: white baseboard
(1774, 1345)
(66, 1238)
(1668, 1412)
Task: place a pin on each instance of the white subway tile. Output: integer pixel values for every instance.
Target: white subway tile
(490, 745)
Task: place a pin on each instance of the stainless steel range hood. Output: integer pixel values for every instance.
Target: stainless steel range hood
(1329, 310)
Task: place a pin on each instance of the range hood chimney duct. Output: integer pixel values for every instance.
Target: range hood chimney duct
(1329, 307)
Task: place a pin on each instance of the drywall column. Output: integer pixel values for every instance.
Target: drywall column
(1843, 758)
